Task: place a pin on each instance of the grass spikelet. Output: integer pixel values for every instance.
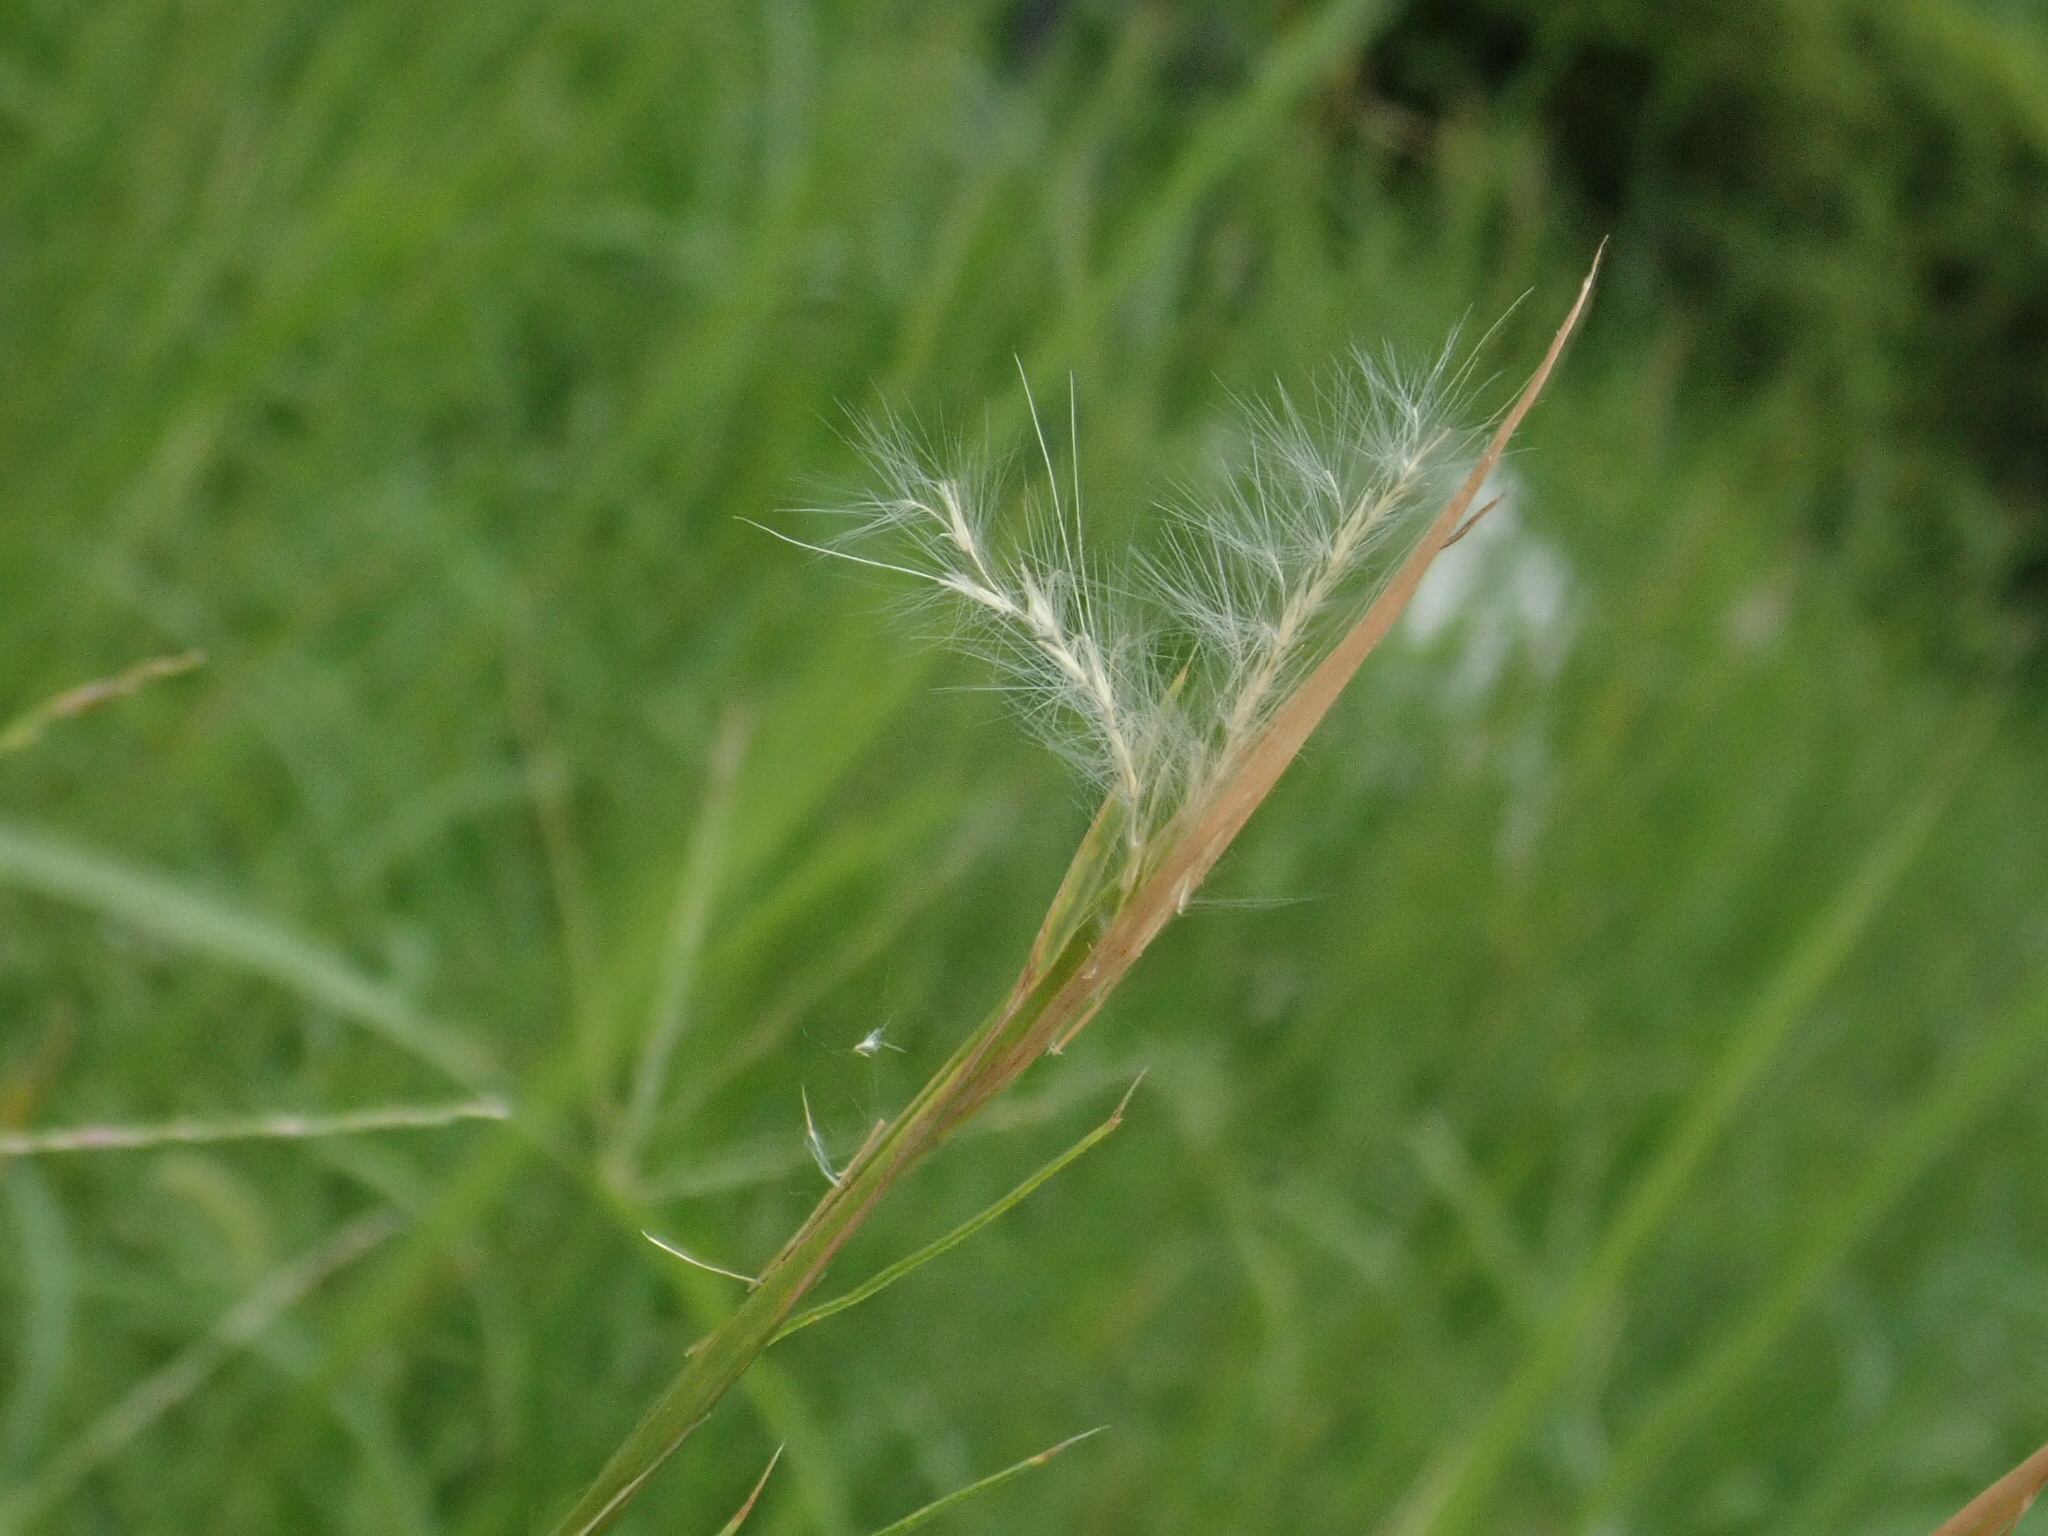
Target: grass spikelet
(1315, 500)
(815, 1143)
(1076, 658)
(1154, 684)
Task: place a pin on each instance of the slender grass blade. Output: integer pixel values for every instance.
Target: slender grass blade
(740, 1516)
(937, 1507)
(166, 908)
(959, 1234)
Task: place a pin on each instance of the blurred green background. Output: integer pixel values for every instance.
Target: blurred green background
(1606, 1096)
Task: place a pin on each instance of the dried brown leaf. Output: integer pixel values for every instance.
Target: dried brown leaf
(1998, 1508)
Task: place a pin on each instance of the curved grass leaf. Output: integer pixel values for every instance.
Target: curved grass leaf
(740, 1516)
(937, 1507)
(169, 910)
(959, 1234)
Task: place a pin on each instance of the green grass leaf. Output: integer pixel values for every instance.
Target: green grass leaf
(1452, 1494)
(165, 908)
(912, 1262)
(740, 1515)
(937, 1507)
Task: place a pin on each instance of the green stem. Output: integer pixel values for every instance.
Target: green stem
(723, 1356)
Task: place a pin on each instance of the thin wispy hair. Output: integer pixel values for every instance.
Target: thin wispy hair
(1302, 522)
(1152, 684)
(1078, 657)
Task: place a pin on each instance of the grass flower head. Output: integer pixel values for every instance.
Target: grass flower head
(1155, 681)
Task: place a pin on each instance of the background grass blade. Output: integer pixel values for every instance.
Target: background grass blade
(676, 976)
(54, 866)
(26, 730)
(1317, 47)
(1451, 1496)
(281, 1127)
(46, 1321)
(188, 1371)
(2002, 1064)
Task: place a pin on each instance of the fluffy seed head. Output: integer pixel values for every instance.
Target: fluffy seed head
(1151, 684)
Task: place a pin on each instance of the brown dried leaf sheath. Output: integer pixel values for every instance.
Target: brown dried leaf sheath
(1998, 1508)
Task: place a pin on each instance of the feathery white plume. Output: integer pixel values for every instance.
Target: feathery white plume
(1151, 684)
(1314, 509)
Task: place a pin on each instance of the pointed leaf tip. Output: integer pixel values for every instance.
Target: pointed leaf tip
(918, 1517)
(740, 1517)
